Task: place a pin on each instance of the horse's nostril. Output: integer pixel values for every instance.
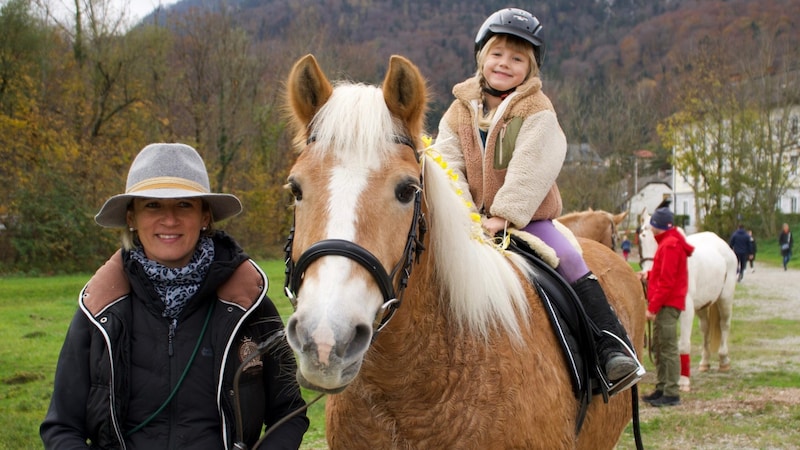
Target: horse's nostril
(362, 334)
(292, 335)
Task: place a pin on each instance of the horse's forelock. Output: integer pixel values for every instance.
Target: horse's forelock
(355, 125)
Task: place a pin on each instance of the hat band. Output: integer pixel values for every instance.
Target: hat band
(167, 183)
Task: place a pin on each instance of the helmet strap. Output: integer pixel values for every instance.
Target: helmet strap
(500, 94)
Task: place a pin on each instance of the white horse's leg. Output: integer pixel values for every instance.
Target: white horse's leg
(685, 345)
(705, 358)
(725, 313)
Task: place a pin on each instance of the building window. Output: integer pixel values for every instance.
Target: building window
(795, 125)
(794, 205)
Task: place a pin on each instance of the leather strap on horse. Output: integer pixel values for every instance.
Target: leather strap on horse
(571, 315)
(563, 315)
(338, 247)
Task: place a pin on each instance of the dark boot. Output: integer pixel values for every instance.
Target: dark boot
(655, 395)
(617, 362)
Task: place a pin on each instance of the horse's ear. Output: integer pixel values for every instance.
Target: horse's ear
(307, 88)
(618, 218)
(404, 90)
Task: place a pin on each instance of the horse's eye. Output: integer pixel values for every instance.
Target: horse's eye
(294, 188)
(405, 191)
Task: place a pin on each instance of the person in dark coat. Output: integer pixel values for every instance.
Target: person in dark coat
(786, 241)
(742, 245)
(166, 324)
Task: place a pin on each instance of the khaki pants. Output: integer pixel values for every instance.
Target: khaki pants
(665, 350)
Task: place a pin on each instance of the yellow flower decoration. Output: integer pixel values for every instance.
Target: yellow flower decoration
(478, 232)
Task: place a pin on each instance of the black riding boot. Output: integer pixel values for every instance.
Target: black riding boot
(614, 359)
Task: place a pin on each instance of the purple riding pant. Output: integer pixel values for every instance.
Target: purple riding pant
(571, 264)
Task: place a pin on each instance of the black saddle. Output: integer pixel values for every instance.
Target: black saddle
(574, 330)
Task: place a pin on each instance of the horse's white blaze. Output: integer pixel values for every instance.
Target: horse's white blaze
(345, 187)
(334, 299)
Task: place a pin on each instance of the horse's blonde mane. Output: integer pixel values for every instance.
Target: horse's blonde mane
(361, 110)
(484, 288)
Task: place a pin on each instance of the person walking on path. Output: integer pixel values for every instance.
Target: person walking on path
(667, 285)
(754, 248)
(786, 241)
(741, 244)
(626, 247)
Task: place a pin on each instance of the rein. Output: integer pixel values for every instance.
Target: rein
(392, 294)
(613, 234)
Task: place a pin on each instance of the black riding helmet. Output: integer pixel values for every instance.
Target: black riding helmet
(515, 22)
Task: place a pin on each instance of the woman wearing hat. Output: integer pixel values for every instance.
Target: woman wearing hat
(151, 354)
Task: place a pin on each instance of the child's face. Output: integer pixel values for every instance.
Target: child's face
(504, 67)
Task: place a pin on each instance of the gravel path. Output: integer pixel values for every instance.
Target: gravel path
(761, 413)
(771, 292)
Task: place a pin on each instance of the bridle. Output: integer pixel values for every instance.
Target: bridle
(392, 293)
(613, 233)
(642, 259)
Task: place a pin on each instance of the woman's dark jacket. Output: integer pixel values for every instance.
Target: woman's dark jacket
(118, 364)
(786, 238)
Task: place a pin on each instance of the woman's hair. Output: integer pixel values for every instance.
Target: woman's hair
(130, 238)
(515, 44)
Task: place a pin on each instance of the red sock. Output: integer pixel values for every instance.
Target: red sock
(686, 365)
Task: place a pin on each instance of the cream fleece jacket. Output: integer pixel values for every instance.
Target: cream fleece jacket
(524, 191)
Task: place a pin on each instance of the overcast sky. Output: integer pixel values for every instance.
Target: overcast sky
(140, 8)
(135, 9)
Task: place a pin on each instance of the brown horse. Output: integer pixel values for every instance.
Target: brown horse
(597, 225)
(468, 359)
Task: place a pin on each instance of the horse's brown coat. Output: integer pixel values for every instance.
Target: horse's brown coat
(428, 383)
(597, 225)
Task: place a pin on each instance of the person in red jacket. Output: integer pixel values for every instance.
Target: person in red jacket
(668, 282)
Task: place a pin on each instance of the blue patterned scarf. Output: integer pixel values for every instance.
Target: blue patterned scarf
(175, 286)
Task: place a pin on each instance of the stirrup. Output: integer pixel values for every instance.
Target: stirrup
(627, 381)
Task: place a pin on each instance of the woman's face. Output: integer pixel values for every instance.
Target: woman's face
(168, 228)
(505, 68)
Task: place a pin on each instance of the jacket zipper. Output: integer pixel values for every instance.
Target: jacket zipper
(171, 335)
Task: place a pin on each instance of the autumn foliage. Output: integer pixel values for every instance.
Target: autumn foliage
(81, 95)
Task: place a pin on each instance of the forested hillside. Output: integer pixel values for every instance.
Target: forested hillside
(80, 96)
(607, 41)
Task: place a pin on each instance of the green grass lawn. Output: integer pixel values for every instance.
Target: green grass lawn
(34, 317)
(35, 314)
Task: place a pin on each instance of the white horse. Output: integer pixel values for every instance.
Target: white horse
(712, 282)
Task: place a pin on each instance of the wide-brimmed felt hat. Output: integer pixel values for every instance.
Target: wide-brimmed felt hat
(167, 171)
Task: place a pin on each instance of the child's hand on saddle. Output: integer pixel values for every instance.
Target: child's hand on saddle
(494, 225)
